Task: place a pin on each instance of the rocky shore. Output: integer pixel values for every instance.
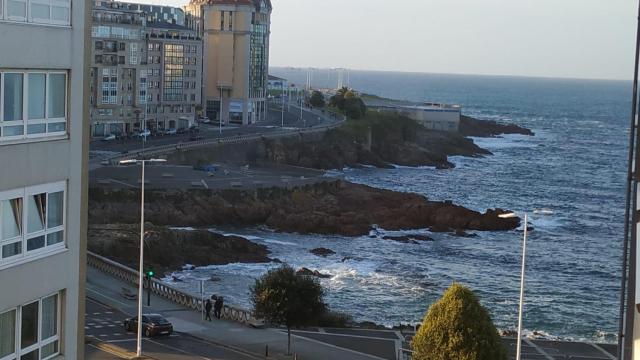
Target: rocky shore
(168, 249)
(384, 140)
(333, 207)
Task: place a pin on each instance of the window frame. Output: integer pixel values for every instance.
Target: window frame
(25, 121)
(18, 351)
(26, 255)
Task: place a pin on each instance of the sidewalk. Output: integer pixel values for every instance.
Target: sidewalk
(106, 289)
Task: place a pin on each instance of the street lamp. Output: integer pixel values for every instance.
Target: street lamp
(524, 253)
(141, 268)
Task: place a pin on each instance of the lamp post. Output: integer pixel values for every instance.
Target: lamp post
(282, 95)
(141, 267)
(521, 303)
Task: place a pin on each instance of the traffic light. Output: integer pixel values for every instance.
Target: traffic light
(150, 273)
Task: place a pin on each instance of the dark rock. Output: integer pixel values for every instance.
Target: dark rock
(462, 233)
(489, 128)
(168, 249)
(276, 260)
(509, 333)
(346, 258)
(323, 252)
(413, 238)
(308, 272)
(334, 207)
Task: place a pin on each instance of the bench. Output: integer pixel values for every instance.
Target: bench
(128, 294)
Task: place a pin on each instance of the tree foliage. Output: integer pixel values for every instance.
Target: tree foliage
(458, 327)
(284, 298)
(317, 99)
(348, 101)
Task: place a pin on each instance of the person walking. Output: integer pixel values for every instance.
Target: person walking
(217, 307)
(207, 309)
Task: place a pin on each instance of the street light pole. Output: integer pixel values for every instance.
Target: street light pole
(524, 254)
(282, 103)
(141, 268)
(141, 265)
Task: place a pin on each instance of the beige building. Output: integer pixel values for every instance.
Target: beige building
(145, 63)
(43, 180)
(235, 56)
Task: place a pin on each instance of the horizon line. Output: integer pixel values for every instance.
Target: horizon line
(456, 74)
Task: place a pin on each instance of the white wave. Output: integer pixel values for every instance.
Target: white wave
(188, 228)
(543, 211)
(505, 142)
(279, 242)
(248, 237)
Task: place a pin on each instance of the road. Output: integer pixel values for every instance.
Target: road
(212, 131)
(104, 323)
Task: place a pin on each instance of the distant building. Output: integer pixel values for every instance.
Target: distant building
(276, 83)
(236, 57)
(145, 68)
(431, 115)
(43, 179)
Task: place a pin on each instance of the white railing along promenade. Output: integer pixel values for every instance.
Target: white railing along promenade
(238, 139)
(180, 297)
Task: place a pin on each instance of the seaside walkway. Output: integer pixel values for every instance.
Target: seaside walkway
(233, 340)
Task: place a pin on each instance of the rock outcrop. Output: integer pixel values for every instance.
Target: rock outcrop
(334, 207)
(308, 272)
(167, 249)
(489, 128)
(324, 252)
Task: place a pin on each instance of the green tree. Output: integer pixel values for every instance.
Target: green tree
(282, 297)
(317, 99)
(458, 327)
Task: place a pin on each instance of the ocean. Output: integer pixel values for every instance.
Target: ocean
(569, 177)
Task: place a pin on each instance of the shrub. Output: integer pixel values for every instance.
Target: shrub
(457, 327)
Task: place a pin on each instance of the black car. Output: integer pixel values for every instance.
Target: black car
(152, 325)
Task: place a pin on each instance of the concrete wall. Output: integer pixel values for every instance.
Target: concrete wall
(28, 46)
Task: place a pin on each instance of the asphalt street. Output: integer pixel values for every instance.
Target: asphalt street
(274, 122)
(105, 324)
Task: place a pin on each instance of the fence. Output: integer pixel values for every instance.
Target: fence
(180, 297)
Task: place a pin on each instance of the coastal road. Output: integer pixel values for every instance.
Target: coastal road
(104, 323)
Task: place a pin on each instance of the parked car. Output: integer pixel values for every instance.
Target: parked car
(170, 131)
(142, 134)
(110, 137)
(205, 120)
(181, 131)
(152, 325)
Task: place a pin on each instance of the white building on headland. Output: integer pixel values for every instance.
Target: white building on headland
(432, 116)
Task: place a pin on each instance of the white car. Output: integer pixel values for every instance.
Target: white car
(171, 131)
(143, 134)
(205, 120)
(109, 138)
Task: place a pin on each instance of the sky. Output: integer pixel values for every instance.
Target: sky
(549, 38)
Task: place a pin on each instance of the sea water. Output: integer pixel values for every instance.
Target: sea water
(569, 177)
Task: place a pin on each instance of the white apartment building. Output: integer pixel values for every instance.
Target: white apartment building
(43, 180)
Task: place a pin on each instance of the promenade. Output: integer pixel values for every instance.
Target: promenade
(223, 339)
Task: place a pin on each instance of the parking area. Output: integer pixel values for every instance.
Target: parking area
(213, 176)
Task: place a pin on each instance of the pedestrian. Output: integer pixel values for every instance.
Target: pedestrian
(207, 309)
(217, 307)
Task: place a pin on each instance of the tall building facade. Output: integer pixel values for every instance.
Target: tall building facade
(236, 57)
(43, 181)
(145, 69)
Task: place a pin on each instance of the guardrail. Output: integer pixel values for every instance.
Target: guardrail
(159, 150)
(180, 297)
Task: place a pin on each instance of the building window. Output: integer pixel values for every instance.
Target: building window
(55, 12)
(32, 221)
(230, 20)
(174, 72)
(133, 54)
(221, 20)
(42, 94)
(39, 324)
(98, 45)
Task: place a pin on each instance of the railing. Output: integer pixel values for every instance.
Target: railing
(159, 150)
(180, 297)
